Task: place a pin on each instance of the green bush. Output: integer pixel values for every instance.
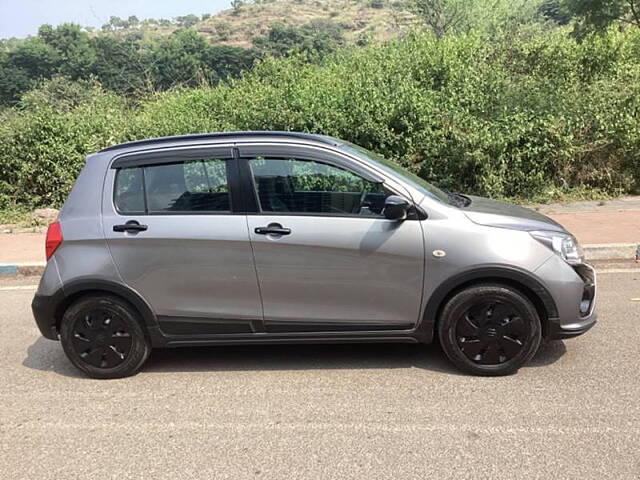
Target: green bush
(530, 115)
(43, 144)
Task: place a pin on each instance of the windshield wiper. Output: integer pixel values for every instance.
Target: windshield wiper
(458, 199)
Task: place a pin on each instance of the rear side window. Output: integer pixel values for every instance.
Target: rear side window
(191, 186)
(129, 191)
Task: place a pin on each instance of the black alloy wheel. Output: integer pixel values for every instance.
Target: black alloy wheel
(489, 329)
(492, 333)
(103, 336)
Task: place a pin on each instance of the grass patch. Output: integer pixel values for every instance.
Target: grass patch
(20, 218)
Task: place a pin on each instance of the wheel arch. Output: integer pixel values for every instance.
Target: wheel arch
(80, 288)
(521, 280)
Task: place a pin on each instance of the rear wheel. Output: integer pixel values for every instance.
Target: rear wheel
(489, 330)
(102, 336)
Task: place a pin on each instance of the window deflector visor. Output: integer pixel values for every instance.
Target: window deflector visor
(304, 153)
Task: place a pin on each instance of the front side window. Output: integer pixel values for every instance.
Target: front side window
(416, 181)
(306, 186)
(191, 186)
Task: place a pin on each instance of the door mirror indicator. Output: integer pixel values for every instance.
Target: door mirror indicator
(396, 208)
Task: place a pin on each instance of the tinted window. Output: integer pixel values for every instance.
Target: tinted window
(305, 186)
(129, 196)
(197, 185)
(417, 182)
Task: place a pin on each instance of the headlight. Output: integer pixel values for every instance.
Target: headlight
(563, 244)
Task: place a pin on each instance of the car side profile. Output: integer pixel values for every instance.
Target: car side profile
(280, 237)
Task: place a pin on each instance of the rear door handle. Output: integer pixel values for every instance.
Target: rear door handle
(272, 229)
(130, 226)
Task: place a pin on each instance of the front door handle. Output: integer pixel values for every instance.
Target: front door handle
(272, 229)
(130, 226)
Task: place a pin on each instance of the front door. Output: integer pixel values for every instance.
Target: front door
(326, 258)
(175, 239)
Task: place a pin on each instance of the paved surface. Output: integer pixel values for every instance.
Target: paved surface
(22, 247)
(623, 203)
(602, 227)
(599, 222)
(363, 411)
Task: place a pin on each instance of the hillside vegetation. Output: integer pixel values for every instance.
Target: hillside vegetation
(375, 20)
(510, 105)
(524, 116)
(360, 20)
(136, 57)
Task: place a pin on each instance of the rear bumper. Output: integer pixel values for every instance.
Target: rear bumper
(44, 307)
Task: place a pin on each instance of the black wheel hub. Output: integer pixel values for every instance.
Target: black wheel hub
(101, 338)
(491, 333)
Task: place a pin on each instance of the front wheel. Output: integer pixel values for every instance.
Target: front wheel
(489, 330)
(102, 336)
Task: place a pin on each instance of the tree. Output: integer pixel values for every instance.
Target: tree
(318, 37)
(223, 30)
(178, 60)
(237, 5)
(123, 65)
(74, 47)
(598, 15)
(187, 21)
(133, 22)
(223, 62)
(555, 11)
(456, 16)
(60, 93)
(114, 23)
(23, 66)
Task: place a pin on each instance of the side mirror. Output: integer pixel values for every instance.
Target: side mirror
(396, 208)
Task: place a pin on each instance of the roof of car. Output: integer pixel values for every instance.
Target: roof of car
(242, 135)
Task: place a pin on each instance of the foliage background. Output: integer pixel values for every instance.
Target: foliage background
(531, 112)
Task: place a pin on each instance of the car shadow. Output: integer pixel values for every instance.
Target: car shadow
(548, 353)
(48, 356)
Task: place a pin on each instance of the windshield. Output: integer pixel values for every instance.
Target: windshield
(415, 180)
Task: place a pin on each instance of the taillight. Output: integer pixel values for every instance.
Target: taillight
(54, 238)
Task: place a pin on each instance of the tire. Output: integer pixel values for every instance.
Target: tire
(102, 336)
(489, 329)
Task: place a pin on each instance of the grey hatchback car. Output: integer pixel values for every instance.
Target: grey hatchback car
(280, 237)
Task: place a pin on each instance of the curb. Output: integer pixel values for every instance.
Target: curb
(604, 251)
(26, 269)
(610, 251)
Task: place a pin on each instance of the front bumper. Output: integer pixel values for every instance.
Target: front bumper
(562, 328)
(558, 331)
(44, 307)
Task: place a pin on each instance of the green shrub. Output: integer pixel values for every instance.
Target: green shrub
(530, 115)
(43, 145)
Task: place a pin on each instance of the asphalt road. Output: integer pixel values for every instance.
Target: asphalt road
(363, 411)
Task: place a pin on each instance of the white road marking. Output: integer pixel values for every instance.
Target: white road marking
(618, 270)
(18, 287)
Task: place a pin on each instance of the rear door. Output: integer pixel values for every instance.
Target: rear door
(327, 258)
(174, 225)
